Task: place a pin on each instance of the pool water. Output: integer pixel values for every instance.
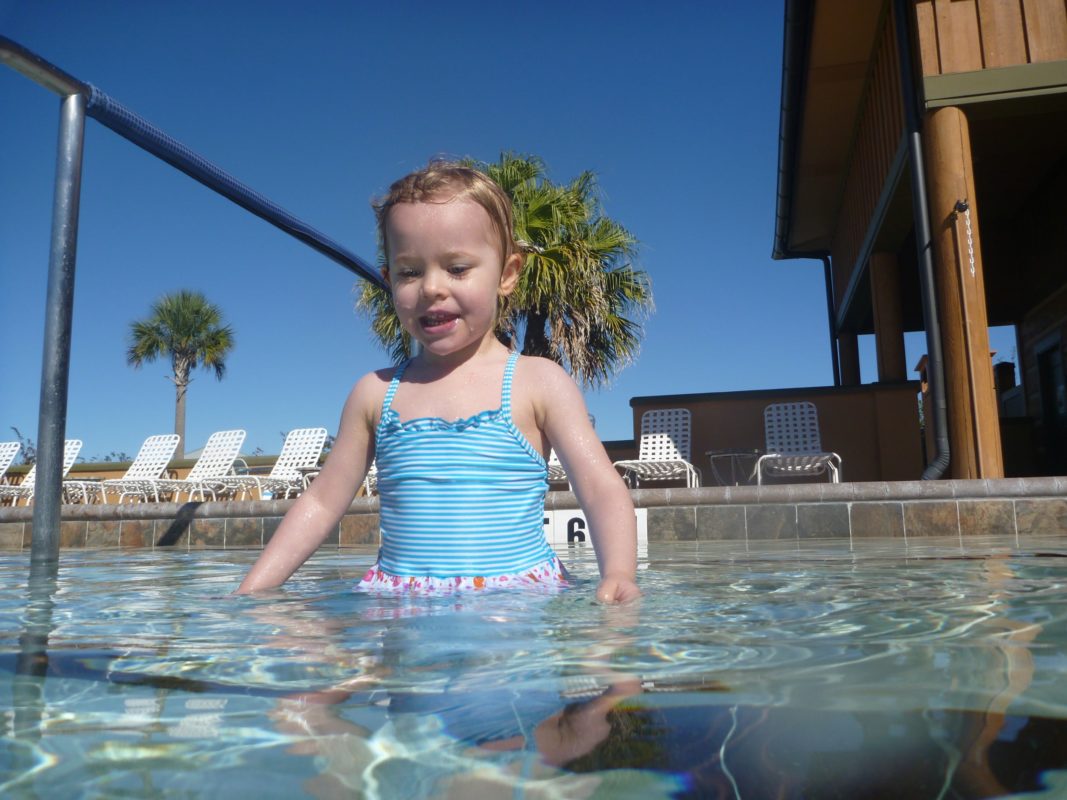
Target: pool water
(898, 672)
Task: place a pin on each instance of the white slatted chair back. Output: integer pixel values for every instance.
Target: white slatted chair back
(31, 477)
(556, 473)
(8, 451)
(71, 448)
(792, 428)
(370, 482)
(665, 435)
(219, 453)
(153, 457)
(302, 448)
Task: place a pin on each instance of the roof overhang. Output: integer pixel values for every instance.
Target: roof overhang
(826, 56)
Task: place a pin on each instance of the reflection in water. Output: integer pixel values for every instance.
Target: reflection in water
(31, 666)
(756, 677)
(788, 753)
(459, 718)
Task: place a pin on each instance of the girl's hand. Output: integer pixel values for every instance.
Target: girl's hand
(617, 590)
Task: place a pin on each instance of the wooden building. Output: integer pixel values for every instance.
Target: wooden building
(923, 149)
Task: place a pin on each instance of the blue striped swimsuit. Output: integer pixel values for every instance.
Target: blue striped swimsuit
(462, 503)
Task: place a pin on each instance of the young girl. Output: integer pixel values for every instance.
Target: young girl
(461, 430)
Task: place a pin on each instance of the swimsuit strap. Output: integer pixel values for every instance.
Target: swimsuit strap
(505, 390)
(395, 382)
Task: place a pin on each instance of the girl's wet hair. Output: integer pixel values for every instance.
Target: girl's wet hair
(442, 182)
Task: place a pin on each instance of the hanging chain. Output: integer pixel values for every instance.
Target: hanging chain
(962, 206)
(970, 238)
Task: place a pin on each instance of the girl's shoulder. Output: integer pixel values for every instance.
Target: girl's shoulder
(377, 380)
(542, 379)
(539, 368)
(385, 375)
(543, 391)
(369, 391)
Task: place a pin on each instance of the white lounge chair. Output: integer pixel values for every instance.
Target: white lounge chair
(215, 462)
(148, 465)
(793, 445)
(8, 451)
(556, 472)
(664, 450)
(24, 490)
(300, 451)
(370, 482)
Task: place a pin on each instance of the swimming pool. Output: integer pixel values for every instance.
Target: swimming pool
(935, 670)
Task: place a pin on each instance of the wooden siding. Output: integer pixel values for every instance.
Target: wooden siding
(971, 35)
(878, 134)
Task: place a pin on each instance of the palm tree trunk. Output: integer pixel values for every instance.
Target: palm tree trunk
(535, 341)
(179, 416)
(181, 386)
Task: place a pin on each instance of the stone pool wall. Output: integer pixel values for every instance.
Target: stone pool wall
(778, 513)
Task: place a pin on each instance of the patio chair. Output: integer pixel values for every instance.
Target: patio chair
(24, 490)
(8, 451)
(300, 452)
(793, 445)
(370, 483)
(148, 465)
(663, 453)
(556, 472)
(215, 462)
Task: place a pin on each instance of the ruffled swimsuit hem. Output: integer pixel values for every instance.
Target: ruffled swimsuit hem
(548, 575)
(391, 422)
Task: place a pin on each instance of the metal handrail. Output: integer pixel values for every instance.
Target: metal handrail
(38, 70)
(81, 99)
(134, 128)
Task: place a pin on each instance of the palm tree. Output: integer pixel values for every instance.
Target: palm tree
(189, 329)
(578, 292)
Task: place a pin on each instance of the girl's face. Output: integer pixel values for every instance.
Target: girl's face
(446, 272)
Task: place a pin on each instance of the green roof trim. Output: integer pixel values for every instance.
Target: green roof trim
(1001, 83)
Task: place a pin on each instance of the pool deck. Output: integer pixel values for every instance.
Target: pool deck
(781, 513)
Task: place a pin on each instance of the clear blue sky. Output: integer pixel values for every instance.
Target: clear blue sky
(320, 107)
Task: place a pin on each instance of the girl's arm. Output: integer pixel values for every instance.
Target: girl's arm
(320, 508)
(604, 497)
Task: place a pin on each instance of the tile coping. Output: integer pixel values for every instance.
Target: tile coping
(745, 517)
(774, 494)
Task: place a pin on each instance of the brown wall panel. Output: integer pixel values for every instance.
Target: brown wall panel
(1003, 39)
(969, 35)
(874, 428)
(1046, 29)
(958, 35)
(926, 28)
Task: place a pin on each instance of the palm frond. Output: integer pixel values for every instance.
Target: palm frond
(376, 303)
(185, 326)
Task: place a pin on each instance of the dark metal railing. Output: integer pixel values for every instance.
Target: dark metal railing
(78, 101)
